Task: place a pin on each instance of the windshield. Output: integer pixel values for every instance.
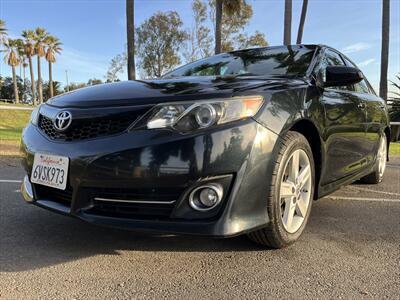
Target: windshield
(280, 61)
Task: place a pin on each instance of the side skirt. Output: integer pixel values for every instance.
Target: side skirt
(334, 186)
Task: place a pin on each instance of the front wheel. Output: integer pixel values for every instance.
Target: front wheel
(290, 195)
(380, 165)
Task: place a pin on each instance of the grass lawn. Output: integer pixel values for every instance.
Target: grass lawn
(395, 149)
(11, 124)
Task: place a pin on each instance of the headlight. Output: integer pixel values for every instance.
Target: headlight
(188, 116)
(35, 116)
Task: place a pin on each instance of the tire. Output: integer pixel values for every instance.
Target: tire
(279, 233)
(380, 164)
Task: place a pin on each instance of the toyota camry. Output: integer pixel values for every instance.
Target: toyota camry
(237, 143)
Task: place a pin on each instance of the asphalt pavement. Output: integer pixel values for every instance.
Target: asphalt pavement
(350, 249)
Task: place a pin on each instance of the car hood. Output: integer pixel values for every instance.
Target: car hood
(146, 92)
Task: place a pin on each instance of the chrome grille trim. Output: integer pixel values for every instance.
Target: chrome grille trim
(135, 201)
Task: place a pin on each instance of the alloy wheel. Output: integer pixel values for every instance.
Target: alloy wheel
(382, 156)
(295, 190)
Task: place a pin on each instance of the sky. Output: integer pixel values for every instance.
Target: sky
(93, 31)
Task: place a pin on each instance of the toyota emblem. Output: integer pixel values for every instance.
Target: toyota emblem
(63, 120)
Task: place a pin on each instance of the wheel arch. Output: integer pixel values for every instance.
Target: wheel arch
(308, 129)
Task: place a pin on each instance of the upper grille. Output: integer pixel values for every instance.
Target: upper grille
(82, 129)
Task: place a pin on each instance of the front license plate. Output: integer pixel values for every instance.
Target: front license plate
(50, 170)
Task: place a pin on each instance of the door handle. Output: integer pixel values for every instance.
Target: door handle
(361, 105)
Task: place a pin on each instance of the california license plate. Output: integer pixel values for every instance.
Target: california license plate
(50, 170)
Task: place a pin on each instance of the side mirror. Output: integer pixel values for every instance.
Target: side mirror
(341, 76)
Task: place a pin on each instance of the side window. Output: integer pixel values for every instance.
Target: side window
(334, 59)
(362, 86)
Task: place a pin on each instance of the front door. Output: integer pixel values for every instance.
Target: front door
(345, 137)
(345, 127)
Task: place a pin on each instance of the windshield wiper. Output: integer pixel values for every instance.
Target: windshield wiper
(233, 76)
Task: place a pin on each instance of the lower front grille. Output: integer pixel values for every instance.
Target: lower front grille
(134, 203)
(63, 197)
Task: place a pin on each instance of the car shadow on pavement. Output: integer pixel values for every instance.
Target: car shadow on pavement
(40, 238)
(37, 238)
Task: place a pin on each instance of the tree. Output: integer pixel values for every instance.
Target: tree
(287, 28)
(22, 65)
(12, 59)
(218, 26)
(159, 39)
(53, 45)
(39, 38)
(257, 39)
(29, 49)
(199, 43)
(56, 87)
(236, 15)
(396, 86)
(116, 67)
(383, 86)
(302, 21)
(94, 81)
(226, 9)
(394, 111)
(7, 87)
(74, 86)
(130, 24)
(3, 32)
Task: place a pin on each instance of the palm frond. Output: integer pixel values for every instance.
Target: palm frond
(53, 45)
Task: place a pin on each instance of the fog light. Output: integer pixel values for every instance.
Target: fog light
(206, 197)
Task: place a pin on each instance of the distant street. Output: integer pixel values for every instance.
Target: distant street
(350, 249)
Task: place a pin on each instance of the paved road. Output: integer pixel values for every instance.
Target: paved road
(351, 249)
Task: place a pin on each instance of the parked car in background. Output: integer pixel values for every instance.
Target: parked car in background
(237, 143)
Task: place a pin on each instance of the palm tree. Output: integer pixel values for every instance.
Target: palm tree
(130, 23)
(229, 7)
(287, 29)
(383, 86)
(53, 47)
(3, 31)
(302, 21)
(22, 58)
(12, 59)
(29, 49)
(40, 37)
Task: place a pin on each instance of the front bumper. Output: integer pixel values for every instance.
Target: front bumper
(160, 164)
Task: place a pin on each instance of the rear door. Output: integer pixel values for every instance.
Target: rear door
(345, 119)
(374, 112)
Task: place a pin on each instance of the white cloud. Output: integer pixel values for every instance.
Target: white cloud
(366, 62)
(357, 47)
